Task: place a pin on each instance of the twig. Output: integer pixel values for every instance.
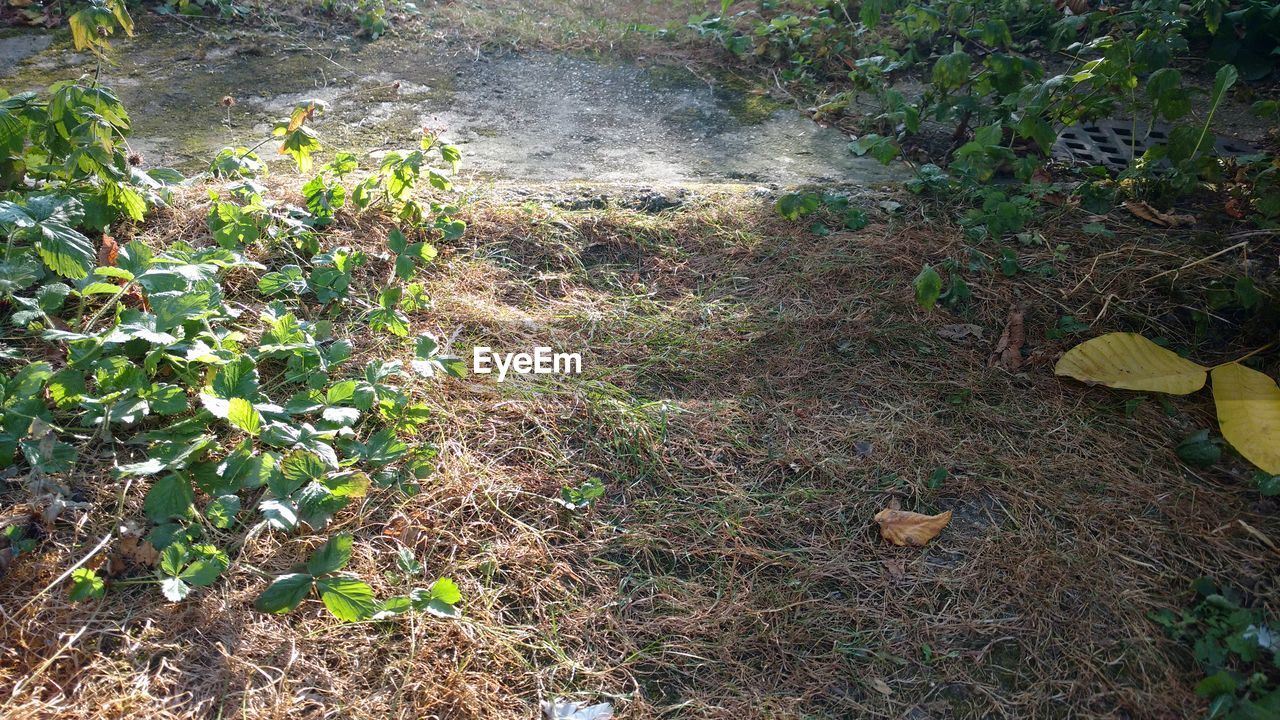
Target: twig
(1223, 251)
(48, 661)
(1258, 534)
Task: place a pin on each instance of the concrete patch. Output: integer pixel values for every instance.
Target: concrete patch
(15, 48)
(557, 118)
(519, 118)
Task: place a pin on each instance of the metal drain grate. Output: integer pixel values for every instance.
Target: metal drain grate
(1111, 142)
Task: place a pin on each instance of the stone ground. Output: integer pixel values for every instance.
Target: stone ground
(518, 117)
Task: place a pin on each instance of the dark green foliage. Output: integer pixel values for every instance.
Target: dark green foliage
(214, 424)
(1235, 646)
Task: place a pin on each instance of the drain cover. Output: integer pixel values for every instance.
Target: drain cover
(1113, 142)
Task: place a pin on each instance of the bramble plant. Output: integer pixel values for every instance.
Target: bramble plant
(231, 437)
(989, 107)
(1236, 648)
(1002, 107)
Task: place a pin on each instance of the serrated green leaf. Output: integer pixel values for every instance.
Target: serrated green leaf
(174, 589)
(297, 468)
(64, 249)
(347, 598)
(317, 506)
(86, 584)
(242, 414)
(206, 569)
(446, 590)
(347, 484)
(289, 279)
(281, 514)
(166, 456)
(284, 593)
(165, 399)
(221, 511)
(332, 556)
(170, 497)
(237, 379)
(383, 447)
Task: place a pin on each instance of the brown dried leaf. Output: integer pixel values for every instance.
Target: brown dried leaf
(131, 551)
(140, 551)
(1061, 199)
(958, 333)
(108, 252)
(1076, 7)
(1234, 207)
(901, 527)
(1008, 350)
(1151, 215)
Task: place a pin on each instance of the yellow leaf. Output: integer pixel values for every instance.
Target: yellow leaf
(1131, 362)
(81, 30)
(1249, 413)
(907, 528)
(121, 14)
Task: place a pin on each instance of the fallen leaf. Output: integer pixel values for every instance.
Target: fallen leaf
(1248, 404)
(1151, 215)
(1072, 7)
(139, 551)
(1008, 350)
(1061, 199)
(1234, 207)
(901, 527)
(881, 687)
(1129, 361)
(957, 333)
(108, 252)
(131, 551)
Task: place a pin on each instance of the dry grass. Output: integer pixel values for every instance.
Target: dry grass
(752, 395)
(597, 26)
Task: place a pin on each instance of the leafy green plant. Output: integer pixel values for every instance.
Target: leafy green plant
(794, 206)
(375, 17)
(223, 8)
(408, 254)
(74, 141)
(1001, 103)
(96, 21)
(238, 162)
(928, 287)
(1236, 648)
(225, 420)
(347, 597)
(583, 496)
